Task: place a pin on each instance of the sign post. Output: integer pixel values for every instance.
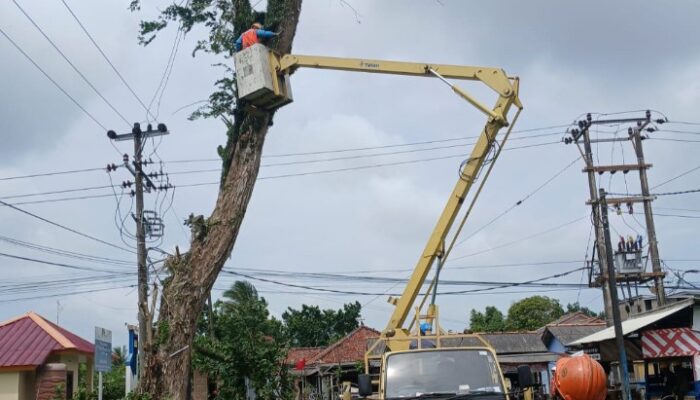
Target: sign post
(103, 355)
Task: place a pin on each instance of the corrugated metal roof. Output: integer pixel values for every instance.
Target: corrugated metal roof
(79, 343)
(528, 358)
(636, 323)
(515, 342)
(577, 318)
(28, 340)
(567, 334)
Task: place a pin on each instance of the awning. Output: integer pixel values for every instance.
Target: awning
(676, 342)
(636, 323)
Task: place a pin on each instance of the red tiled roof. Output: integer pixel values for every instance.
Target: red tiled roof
(303, 353)
(577, 318)
(28, 340)
(351, 348)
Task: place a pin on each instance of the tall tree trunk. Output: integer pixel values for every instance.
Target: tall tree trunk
(192, 275)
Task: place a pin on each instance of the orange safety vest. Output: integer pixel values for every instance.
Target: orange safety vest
(250, 37)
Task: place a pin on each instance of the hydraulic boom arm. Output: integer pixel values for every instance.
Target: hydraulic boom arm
(282, 66)
(496, 79)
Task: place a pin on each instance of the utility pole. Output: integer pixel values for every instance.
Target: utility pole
(636, 133)
(612, 287)
(601, 244)
(138, 138)
(627, 263)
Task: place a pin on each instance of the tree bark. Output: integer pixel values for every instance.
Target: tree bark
(192, 275)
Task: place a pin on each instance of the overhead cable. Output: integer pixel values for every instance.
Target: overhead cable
(92, 117)
(48, 221)
(71, 63)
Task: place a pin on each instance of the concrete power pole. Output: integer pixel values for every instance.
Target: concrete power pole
(612, 287)
(138, 138)
(601, 245)
(603, 248)
(636, 133)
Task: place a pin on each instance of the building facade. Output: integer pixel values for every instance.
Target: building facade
(39, 359)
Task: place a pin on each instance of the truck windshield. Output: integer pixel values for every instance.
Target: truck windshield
(431, 372)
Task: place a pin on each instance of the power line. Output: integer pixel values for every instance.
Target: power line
(56, 264)
(463, 267)
(344, 279)
(85, 189)
(52, 80)
(166, 72)
(64, 253)
(678, 215)
(97, 46)
(65, 294)
(74, 171)
(355, 168)
(677, 209)
(297, 174)
(61, 199)
(519, 240)
(674, 140)
(71, 63)
(318, 289)
(682, 174)
(676, 193)
(521, 201)
(63, 227)
(677, 131)
(309, 153)
(520, 283)
(44, 286)
(684, 123)
(279, 155)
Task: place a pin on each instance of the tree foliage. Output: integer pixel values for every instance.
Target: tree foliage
(192, 274)
(533, 312)
(491, 320)
(114, 381)
(247, 343)
(313, 327)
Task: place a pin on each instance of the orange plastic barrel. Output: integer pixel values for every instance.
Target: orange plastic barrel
(580, 378)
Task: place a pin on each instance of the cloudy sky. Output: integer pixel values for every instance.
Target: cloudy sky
(600, 57)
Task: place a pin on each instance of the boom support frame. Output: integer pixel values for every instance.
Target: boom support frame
(507, 89)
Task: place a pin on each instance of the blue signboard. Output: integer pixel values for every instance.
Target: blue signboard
(103, 350)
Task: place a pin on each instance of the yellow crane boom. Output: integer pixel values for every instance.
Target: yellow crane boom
(277, 93)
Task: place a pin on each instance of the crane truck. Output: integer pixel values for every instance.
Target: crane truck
(419, 359)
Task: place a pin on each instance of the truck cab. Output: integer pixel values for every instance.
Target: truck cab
(441, 373)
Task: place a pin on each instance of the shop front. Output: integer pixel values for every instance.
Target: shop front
(671, 363)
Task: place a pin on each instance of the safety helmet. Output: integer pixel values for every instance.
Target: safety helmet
(424, 327)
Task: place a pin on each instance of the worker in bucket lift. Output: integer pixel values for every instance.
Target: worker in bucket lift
(425, 328)
(253, 35)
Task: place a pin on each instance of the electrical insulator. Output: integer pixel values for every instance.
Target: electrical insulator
(125, 158)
